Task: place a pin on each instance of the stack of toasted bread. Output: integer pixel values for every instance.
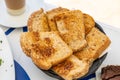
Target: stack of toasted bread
(65, 41)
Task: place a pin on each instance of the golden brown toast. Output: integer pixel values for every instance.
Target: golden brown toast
(88, 22)
(51, 14)
(48, 50)
(71, 28)
(97, 43)
(53, 36)
(38, 21)
(71, 68)
(26, 40)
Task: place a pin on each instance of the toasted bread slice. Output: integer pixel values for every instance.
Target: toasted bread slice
(71, 68)
(38, 21)
(26, 40)
(49, 50)
(89, 23)
(51, 14)
(71, 28)
(97, 43)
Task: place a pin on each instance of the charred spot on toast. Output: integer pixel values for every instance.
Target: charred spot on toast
(47, 40)
(64, 67)
(36, 34)
(44, 49)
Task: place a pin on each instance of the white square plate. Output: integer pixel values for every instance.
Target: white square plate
(7, 70)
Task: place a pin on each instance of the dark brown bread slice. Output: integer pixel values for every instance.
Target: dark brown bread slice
(97, 43)
(38, 21)
(110, 72)
(71, 28)
(71, 68)
(115, 78)
(51, 14)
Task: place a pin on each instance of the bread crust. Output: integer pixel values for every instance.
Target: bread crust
(38, 21)
(26, 41)
(97, 43)
(89, 23)
(50, 17)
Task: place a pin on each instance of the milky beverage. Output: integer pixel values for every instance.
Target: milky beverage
(15, 7)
